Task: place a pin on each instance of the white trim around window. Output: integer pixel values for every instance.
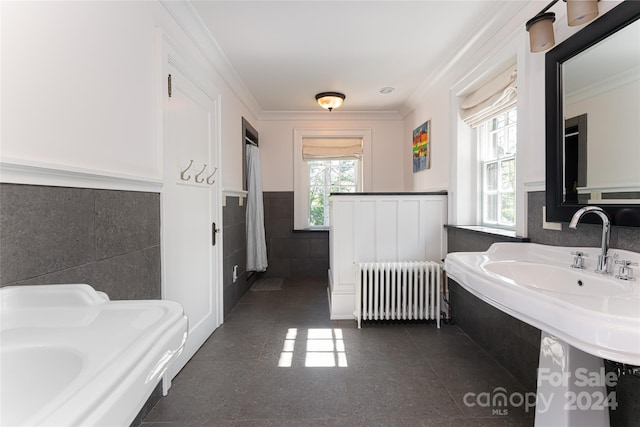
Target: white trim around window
(301, 171)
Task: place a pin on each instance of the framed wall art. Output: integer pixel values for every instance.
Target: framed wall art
(422, 147)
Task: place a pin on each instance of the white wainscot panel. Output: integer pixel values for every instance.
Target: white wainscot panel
(411, 245)
(434, 238)
(385, 230)
(364, 222)
(378, 228)
(344, 247)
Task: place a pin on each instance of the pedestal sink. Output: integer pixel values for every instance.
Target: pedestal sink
(584, 317)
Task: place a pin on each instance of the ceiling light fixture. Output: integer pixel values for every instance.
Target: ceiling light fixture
(387, 89)
(330, 100)
(540, 27)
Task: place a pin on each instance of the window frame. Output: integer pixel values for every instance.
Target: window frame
(301, 169)
(483, 138)
(327, 185)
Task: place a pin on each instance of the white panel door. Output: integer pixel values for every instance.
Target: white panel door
(191, 262)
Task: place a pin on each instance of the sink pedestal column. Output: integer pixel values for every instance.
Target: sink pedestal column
(571, 387)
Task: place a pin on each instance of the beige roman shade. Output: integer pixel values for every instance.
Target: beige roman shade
(493, 98)
(331, 149)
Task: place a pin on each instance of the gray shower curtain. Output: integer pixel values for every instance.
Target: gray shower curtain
(256, 242)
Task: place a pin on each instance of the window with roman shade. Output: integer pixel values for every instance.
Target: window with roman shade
(333, 166)
(327, 161)
(493, 98)
(491, 111)
(331, 149)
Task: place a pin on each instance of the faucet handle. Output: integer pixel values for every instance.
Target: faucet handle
(625, 272)
(578, 260)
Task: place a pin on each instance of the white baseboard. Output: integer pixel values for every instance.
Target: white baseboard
(342, 305)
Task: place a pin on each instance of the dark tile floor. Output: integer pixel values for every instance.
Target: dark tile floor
(279, 361)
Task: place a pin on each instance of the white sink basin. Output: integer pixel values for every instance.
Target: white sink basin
(71, 357)
(25, 366)
(595, 313)
(553, 279)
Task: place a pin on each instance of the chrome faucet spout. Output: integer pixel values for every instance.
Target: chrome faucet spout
(603, 258)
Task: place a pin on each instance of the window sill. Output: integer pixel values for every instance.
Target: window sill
(510, 234)
(312, 230)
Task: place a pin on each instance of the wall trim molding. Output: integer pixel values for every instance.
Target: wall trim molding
(36, 173)
(234, 192)
(532, 186)
(230, 192)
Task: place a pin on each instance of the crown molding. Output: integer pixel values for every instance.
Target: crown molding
(490, 36)
(333, 116)
(604, 86)
(192, 25)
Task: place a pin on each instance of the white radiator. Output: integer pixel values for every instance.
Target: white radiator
(398, 291)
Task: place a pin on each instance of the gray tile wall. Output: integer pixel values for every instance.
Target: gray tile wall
(292, 254)
(584, 235)
(461, 240)
(107, 239)
(234, 248)
(515, 344)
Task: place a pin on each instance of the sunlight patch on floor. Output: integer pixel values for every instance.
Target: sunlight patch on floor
(324, 348)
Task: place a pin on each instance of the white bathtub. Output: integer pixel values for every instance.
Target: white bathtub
(71, 357)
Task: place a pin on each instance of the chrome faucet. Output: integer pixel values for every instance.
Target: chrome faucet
(603, 259)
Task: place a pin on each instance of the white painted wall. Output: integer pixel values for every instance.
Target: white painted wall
(80, 84)
(435, 103)
(232, 140)
(80, 87)
(83, 86)
(437, 176)
(387, 140)
(532, 161)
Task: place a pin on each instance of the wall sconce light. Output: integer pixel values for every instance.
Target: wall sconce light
(330, 100)
(581, 11)
(540, 27)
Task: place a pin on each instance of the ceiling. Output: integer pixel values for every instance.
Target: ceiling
(285, 52)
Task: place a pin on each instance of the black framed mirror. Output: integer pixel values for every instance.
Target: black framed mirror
(593, 169)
